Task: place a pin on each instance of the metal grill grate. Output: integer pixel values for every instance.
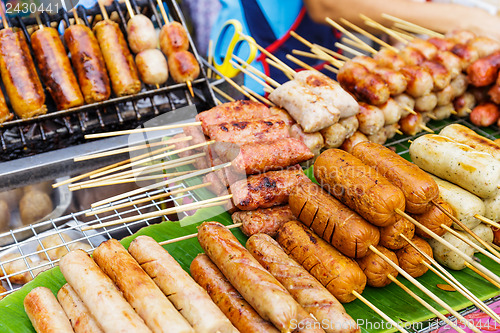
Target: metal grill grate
(58, 129)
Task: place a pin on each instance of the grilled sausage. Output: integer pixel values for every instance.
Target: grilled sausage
(77, 312)
(447, 257)
(485, 46)
(313, 141)
(463, 203)
(428, 49)
(392, 112)
(184, 293)
(330, 91)
(433, 219)
(45, 313)
(119, 62)
(475, 171)
(464, 104)
(449, 60)
(351, 124)
(183, 66)
(418, 187)
(141, 34)
(309, 110)
(152, 66)
(390, 237)
(465, 135)
(334, 135)
(228, 299)
(380, 137)
(459, 84)
(377, 269)
(485, 114)
(304, 288)
(371, 119)
(88, 62)
(484, 71)
(97, 291)
(356, 138)
(266, 295)
(339, 274)
(266, 220)
(266, 190)
(410, 260)
(331, 220)
(5, 114)
(440, 75)
(466, 53)
(55, 68)
(251, 131)
(419, 81)
(426, 103)
(406, 102)
(411, 124)
(412, 56)
(389, 58)
(445, 96)
(138, 289)
(19, 75)
(359, 186)
(173, 38)
(260, 157)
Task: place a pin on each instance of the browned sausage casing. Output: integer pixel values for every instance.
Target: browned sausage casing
(228, 299)
(333, 221)
(119, 61)
(55, 68)
(241, 132)
(433, 219)
(173, 38)
(5, 114)
(377, 269)
(266, 190)
(390, 236)
(417, 186)
(339, 274)
(183, 66)
(411, 261)
(88, 63)
(19, 75)
(266, 220)
(259, 288)
(306, 290)
(359, 186)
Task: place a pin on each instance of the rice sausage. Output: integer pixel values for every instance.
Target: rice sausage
(306, 290)
(97, 291)
(77, 312)
(390, 237)
(417, 186)
(228, 299)
(263, 220)
(466, 136)
(339, 274)
(138, 289)
(447, 257)
(475, 171)
(185, 294)
(333, 221)
(377, 269)
(45, 313)
(359, 186)
(266, 295)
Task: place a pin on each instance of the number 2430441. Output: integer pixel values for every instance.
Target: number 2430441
(26, 8)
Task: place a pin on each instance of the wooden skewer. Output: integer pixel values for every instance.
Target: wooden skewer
(496, 247)
(431, 116)
(249, 73)
(350, 35)
(147, 199)
(4, 17)
(163, 12)
(425, 128)
(285, 71)
(424, 303)
(103, 10)
(158, 185)
(300, 63)
(218, 101)
(130, 149)
(210, 58)
(129, 8)
(257, 72)
(484, 276)
(237, 87)
(308, 55)
(140, 130)
(259, 97)
(487, 221)
(141, 171)
(451, 280)
(267, 53)
(376, 25)
(379, 312)
(75, 15)
(222, 93)
(470, 243)
(152, 158)
(335, 62)
(410, 24)
(367, 34)
(356, 44)
(331, 52)
(178, 239)
(409, 110)
(39, 21)
(403, 34)
(448, 245)
(301, 39)
(425, 290)
(331, 69)
(189, 85)
(348, 49)
(398, 132)
(213, 202)
(467, 229)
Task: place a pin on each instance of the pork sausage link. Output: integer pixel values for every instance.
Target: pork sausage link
(410, 260)
(377, 269)
(433, 219)
(390, 237)
(265, 220)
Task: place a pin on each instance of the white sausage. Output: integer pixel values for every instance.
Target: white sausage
(473, 170)
(426, 102)
(152, 66)
(448, 257)
(313, 141)
(464, 204)
(468, 137)
(351, 124)
(45, 313)
(443, 112)
(77, 312)
(392, 111)
(484, 232)
(141, 34)
(371, 119)
(334, 135)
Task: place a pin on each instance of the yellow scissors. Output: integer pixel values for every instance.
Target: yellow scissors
(228, 44)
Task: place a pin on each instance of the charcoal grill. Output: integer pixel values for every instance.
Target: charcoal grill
(62, 128)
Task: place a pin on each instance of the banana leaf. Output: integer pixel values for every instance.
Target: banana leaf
(391, 300)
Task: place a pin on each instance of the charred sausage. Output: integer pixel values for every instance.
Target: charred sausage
(377, 269)
(433, 219)
(265, 220)
(410, 260)
(390, 237)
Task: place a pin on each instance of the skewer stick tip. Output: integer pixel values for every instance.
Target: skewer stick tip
(425, 128)
(190, 87)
